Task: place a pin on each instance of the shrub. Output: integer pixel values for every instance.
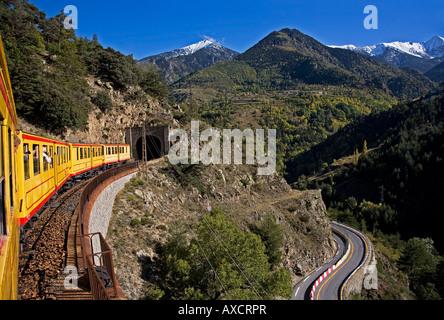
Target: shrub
(103, 101)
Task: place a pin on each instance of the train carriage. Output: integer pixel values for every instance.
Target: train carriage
(9, 186)
(46, 166)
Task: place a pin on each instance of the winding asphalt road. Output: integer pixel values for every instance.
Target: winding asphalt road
(332, 286)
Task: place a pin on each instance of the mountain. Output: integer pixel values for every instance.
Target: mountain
(287, 58)
(437, 73)
(178, 63)
(418, 56)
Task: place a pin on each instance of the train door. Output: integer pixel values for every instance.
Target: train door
(27, 160)
(11, 181)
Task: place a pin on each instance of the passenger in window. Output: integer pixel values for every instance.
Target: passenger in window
(46, 157)
(26, 161)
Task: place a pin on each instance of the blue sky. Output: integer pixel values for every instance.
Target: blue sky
(147, 27)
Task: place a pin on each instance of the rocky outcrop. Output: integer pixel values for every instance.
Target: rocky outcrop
(130, 109)
(157, 201)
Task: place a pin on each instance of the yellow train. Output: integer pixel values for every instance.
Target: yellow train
(32, 170)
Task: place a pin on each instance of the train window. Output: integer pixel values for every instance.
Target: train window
(69, 154)
(50, 155)
(11, 185)
(77, 149)
(26, 155)
(86, 153)
(81, 153)
(109, 150)
(58, 156)
(36, 158)
(89, 153)
(45, 159)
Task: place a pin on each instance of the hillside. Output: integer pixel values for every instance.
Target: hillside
(151, 241)
(437, 73)
(391, 187)
(59, 80)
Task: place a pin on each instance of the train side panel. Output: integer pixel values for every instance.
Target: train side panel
(9, 222)
(98, 158)
(9, 186)
(81, 159)
(111, 154)
(124, 153)
(62, 163)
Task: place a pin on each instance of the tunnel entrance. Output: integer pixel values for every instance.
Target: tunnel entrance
(157, 140)
(153, 148)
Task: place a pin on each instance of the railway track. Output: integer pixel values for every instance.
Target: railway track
(50, 246)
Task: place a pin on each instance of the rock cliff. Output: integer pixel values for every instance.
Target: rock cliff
(160, 198)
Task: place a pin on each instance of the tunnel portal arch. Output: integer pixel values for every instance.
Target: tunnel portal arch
(157, 142)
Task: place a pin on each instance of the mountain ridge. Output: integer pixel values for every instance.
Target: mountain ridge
(420, 56)
(286, 58)
(182, 62)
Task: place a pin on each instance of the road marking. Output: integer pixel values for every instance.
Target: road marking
(350, 255)
(295, 295)
(306, 278)
(366, 252)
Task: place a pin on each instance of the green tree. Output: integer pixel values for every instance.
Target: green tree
(420, 261)
(103, 101)
(221, 262)
(272, 236)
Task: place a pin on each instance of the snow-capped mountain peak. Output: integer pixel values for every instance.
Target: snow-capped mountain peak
(185, 51)
(421, 56)
(197, 46)
(434, 48)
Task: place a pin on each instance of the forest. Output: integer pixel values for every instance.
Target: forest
(49, 66)
(393, 186)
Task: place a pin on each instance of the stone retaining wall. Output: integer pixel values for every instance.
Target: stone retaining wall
(103, 207)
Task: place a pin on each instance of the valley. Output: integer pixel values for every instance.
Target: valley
(359, 140)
